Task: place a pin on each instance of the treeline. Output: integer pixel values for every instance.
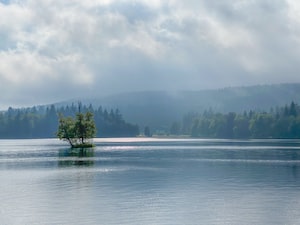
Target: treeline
(42, 122)
(283, 122)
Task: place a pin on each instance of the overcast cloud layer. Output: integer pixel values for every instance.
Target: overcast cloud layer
(55, 50)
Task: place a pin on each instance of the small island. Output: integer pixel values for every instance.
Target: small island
(79, 131)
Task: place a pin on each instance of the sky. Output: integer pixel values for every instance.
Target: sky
(57, 50)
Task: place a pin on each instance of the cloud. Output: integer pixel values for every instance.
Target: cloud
(54, 50)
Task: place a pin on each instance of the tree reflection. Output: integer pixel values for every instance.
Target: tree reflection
(76, 157)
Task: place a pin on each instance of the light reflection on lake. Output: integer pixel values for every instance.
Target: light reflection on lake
(150, 181)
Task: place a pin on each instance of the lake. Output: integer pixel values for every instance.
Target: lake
(150, 181)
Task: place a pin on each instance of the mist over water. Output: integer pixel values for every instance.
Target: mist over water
(150, 181)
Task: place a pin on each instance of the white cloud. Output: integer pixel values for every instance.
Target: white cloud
(137, 44)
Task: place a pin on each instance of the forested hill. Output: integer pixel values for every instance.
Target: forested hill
(42, 122)
(158, 109)
(154, 109)
(279, 122)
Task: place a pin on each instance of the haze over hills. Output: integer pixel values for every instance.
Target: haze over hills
(124, 46)
(158, 109)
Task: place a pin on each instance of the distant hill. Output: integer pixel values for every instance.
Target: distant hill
(158, 109)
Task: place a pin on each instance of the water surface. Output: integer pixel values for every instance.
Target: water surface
(150, 181)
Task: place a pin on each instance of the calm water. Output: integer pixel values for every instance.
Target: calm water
(150, 181)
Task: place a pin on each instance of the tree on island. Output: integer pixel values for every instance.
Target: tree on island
(77, 132)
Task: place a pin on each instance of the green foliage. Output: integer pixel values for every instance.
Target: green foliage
(42, 122)
(280, 123)
(78, 131)
(66, 130)
(261, 125)
(241, 127)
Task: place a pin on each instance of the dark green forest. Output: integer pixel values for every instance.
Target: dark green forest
(42, 122)
(281, 122)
